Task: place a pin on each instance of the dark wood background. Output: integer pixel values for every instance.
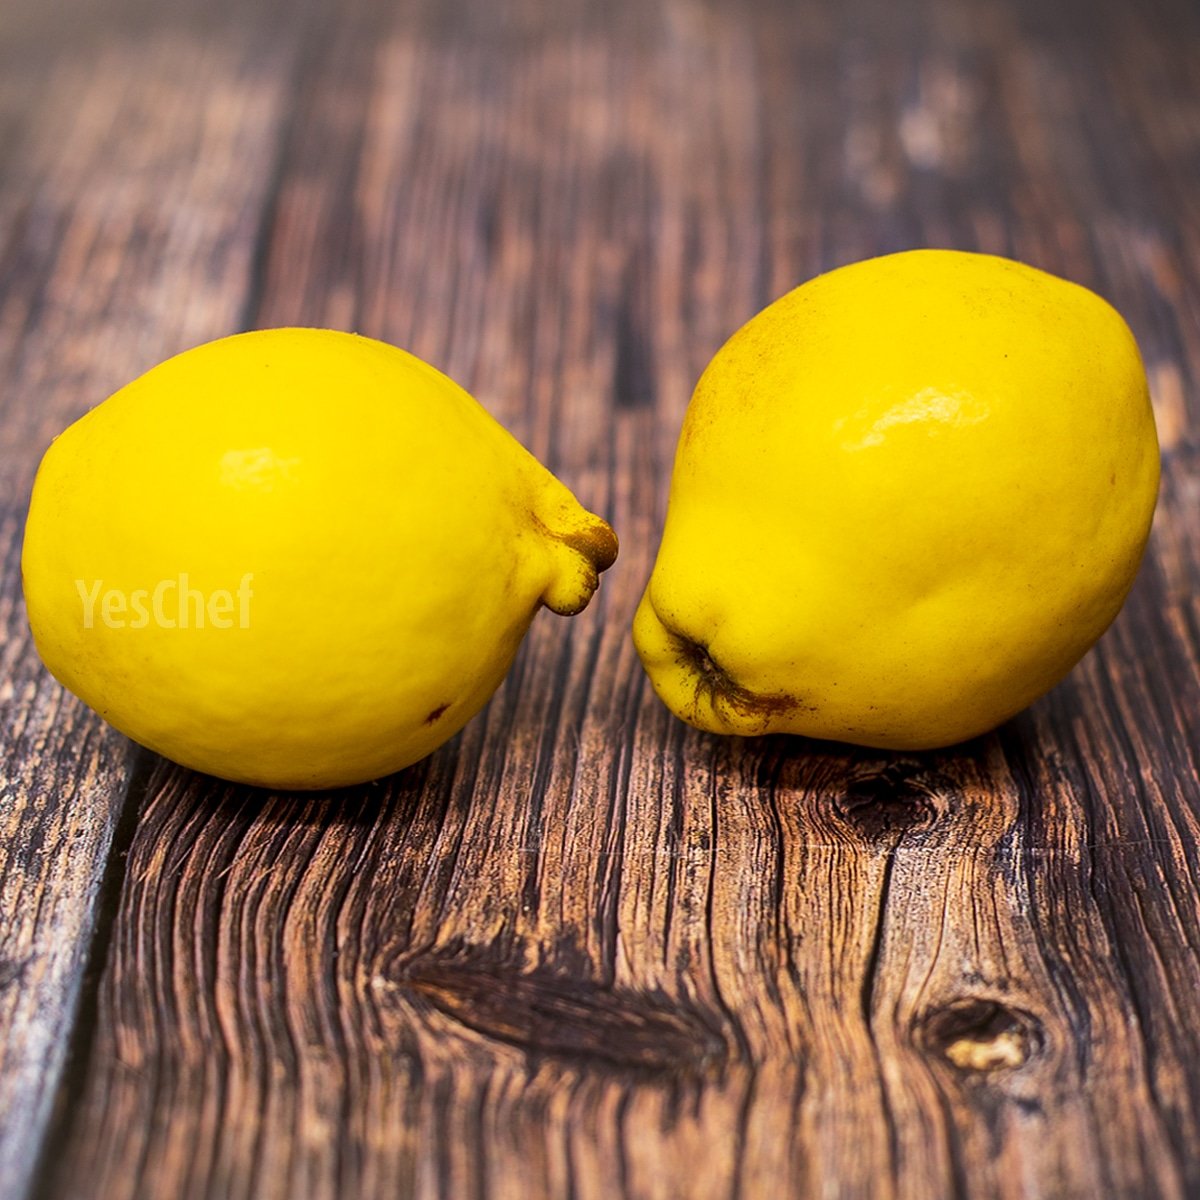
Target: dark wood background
(583, 951)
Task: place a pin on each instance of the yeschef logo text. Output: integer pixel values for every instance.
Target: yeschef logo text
(169, 604)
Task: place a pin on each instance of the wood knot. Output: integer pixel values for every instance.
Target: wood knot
(552, 1014)
(979, 1035)
(887, 803)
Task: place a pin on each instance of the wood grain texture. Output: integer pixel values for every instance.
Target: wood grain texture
(584, 950)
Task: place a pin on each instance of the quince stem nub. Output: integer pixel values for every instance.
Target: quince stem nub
(580, 551)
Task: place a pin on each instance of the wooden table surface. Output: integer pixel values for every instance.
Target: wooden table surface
(584, 951)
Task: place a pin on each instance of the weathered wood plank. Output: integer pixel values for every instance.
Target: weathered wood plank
(584, 950)
(127, 223)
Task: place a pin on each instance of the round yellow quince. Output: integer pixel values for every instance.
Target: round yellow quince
(296, 558)
(908, 496)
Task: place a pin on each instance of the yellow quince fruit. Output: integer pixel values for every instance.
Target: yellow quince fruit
(296, 558)
(908, 496)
